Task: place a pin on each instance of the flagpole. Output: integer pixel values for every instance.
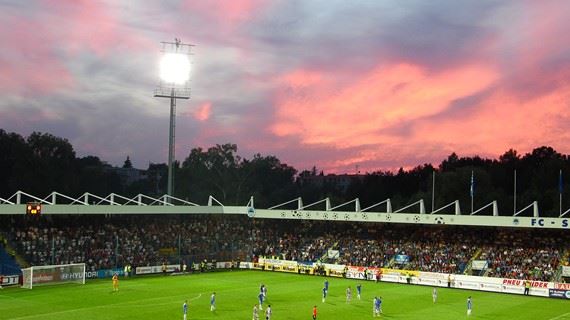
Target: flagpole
(433, 193)
(472, 191)
(560, 187)
(515, 193)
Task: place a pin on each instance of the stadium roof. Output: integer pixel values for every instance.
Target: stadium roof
(415, 213)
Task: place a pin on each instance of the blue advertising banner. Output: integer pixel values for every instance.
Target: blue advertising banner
(401, 258)
(108, 273)
(559, 293)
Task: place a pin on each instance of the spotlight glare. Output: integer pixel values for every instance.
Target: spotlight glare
(175, 68)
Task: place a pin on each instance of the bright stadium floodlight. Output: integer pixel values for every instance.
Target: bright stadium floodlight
(175, 68)
(174, 84)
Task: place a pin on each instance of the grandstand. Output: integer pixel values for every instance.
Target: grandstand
(111, 242)
(347, 244)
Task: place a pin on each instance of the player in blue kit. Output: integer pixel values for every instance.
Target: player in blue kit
(324, 294)
(260, 297)
(213, 301)
(377, 307)
(358, 290)
(327, 285)
(375, 311)
(185, 309)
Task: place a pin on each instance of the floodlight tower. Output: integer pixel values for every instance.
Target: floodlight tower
(174, 84)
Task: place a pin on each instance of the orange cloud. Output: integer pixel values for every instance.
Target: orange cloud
(354, 115)
(503, 121)
(359, 121)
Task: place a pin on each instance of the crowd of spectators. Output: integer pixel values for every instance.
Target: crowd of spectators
(520, 255)
(105, 242)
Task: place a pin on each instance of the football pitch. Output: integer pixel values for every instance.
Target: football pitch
(291, 296)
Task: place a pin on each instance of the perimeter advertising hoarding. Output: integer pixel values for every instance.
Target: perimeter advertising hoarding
(558, 293)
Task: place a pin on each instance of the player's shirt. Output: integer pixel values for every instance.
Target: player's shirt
(469, 304)
(260, 297)
(268, 313)
(314, 312)
(434, 293)
(324, 292)
(326, 285)
(115, 279)
(359, 288)
(213, 300)
(378, 304)
(255, 312)
(185, 308)
(348, 292)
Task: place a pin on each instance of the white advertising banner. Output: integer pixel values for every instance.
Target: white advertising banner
(479, 264)
(513, 286)
(332, 254)
(224, 265)
(156, 269)
(10, 280)
(566, 271)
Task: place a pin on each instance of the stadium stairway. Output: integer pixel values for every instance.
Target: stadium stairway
(469, 267)
(563, 262)
(325, 257)
(8, 264)
(391, 262)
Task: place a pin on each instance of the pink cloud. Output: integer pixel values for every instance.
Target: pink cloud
(203, 112)
(302, 78)
(31, 65)
(226, 13)
(90, 25)
(40, 43)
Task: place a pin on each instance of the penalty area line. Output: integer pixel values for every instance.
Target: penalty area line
(562, 316)
(119, 304)
(152, 305)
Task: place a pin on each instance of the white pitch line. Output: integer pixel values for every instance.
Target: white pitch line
(562, 316)
(197, 297)
(152, 305)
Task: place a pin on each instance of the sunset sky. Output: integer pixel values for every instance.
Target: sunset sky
(333, 84)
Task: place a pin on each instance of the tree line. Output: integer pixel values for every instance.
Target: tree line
(42, 163)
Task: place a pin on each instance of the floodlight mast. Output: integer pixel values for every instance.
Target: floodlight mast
(174, 84)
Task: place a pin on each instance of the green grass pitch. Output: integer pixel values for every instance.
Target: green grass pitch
(291, 297)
